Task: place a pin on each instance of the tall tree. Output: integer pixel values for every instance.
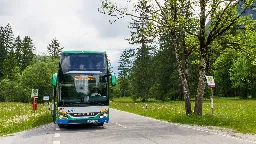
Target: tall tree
(170, 20)
(18, 45)
(167, 78)
(6, 43)
(27, 52)
(54, 48)
(223, 19)
(141, 74)
(178, 18)
(125, 65)
(10, 66)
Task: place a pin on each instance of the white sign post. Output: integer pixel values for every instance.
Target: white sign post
(34, 93)
(210, 82)
(47, 98)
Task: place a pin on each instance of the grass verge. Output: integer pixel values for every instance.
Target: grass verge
(233, 113)
(18, 117)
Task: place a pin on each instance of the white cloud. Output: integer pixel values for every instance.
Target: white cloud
(76, 24)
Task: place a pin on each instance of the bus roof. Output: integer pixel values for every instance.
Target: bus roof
(82, 51)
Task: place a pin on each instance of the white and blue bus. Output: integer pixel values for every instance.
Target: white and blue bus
(81, 88)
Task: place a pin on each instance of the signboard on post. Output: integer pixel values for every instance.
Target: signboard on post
(46, 98)
(34, 93)
(210, 81)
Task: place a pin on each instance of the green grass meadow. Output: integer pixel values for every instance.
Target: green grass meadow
(239, 115)
(18, 117)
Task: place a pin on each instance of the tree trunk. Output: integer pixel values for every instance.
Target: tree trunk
(203, 52)
(200, 88)
(184, 81)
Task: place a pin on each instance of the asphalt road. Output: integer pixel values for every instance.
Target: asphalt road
(123, 128)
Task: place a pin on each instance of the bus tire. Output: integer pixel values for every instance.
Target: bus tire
(61, 125)
(100, 124)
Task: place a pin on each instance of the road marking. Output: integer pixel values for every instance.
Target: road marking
(57, 129)
(56, 142)
(57, 135)
(120, 125)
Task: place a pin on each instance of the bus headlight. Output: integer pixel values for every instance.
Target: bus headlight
(104, 115)
(63, 116)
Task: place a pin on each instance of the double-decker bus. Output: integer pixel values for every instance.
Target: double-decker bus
(81, 88)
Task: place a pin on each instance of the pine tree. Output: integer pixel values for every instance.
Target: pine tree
(10, 66)
(141, 75)
(18, 50)
(6, 43)
(54, 48)
(27, 52)
(125, 65)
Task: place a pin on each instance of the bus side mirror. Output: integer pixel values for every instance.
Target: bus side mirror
(54, 79)
(113, 79)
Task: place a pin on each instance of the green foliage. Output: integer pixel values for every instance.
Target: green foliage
(38, 76)
(166, 81)
(27, 52)
(18, 50)
(10, 66)
(125, 65)
(222, 67)
(196, 43)
(11, 91)
(242, 76)
(228, 113)
(6, 38)
(141, 74)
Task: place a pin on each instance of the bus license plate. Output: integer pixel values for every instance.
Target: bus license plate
(92, 121)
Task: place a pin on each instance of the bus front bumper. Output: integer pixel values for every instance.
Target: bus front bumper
(82, 121)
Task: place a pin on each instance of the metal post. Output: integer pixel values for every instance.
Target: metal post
(212, 100)
(34, 104)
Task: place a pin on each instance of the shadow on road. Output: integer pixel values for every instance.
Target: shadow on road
(50, 129)
(79, 127)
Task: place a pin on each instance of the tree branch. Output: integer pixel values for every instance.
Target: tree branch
(217, 23)
(225, 29)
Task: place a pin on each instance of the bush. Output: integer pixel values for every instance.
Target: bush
(36, 76)
(10, 91)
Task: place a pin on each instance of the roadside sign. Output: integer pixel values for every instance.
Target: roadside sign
(46, 98)
(210, 81)
(34, 93)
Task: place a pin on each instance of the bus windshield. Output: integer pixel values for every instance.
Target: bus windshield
(84, 89)
(83, 62)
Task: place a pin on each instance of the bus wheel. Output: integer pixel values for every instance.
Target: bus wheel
(100, 124)
(61, 125)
